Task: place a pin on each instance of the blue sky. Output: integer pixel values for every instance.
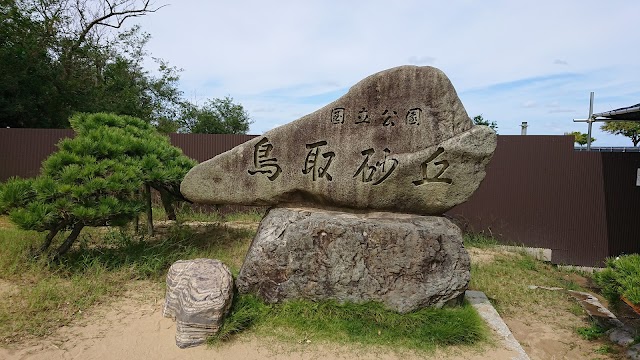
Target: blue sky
(510, 61)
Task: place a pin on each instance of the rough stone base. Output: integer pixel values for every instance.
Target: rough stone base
(405, 261)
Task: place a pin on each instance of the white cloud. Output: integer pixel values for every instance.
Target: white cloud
(497, 54)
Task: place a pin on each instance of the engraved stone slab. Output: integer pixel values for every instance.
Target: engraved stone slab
(405, 261)
(399, 140)
(199, 295)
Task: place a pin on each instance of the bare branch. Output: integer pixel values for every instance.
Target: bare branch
(127, 11)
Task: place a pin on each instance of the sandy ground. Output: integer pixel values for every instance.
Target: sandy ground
(132, 327)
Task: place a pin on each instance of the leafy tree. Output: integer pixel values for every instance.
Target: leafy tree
(479, 120)
(217, 116)
(580, 138)
(59, 57)
(95, 178)
(126, 88)
(28, 81)
(630, 129)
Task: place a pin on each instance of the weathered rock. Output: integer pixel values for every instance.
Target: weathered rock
(634, 352)
(399, 140)
(623, 336)
(404, 261)
(199, 295)
(596, 311)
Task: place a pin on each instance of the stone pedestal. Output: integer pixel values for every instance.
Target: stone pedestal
(405, 261)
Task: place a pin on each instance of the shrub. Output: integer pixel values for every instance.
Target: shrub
(95, 179)
(621, 277)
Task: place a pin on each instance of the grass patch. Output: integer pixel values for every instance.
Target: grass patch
(506, 280)
(366, 324)
(246, 216)
(198, 215)
(143, 258)
(592, 332)
(605, 349)
(50, 295)
(576, 309)
(479, 241)
(99, 268)
(185, 213)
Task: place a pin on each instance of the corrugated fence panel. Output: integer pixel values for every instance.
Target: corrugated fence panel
(202, 147)
(23, 150)
(583, 217)
(541, 193)
(623, 201)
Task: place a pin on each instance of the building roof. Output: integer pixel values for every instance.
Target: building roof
(630, 113)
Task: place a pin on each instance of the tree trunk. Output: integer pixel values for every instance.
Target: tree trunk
(66, 245)
(149, 211)
(48, 240)
(167, 203)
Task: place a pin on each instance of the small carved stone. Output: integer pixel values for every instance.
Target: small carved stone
(199, 295)
(405, 261)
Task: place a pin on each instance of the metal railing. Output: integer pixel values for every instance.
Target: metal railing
(609, 149)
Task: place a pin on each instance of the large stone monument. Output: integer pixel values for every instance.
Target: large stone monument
(343, 181)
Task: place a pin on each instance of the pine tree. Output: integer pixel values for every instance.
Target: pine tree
(95, 179)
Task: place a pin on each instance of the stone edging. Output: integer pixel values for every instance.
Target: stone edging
(481, 303)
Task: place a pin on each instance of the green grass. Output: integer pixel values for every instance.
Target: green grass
(605, 349)
(185, 213)
(592, 332)
(506, 279)
(365, 324)
(149, 259)
(49, 295)
(246, 216)
(479, 241)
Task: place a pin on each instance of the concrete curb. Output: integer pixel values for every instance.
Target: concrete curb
(541, 254)
(481, 303)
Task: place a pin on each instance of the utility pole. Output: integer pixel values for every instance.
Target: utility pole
(590, 121)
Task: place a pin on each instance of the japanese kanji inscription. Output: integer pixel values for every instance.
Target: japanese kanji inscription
(263, 162)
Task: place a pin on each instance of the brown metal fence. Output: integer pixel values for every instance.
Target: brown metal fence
(203, 147)
(622, 195)
(538, 191)
(23, 150)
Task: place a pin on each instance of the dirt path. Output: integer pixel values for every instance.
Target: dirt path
(552, 334)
